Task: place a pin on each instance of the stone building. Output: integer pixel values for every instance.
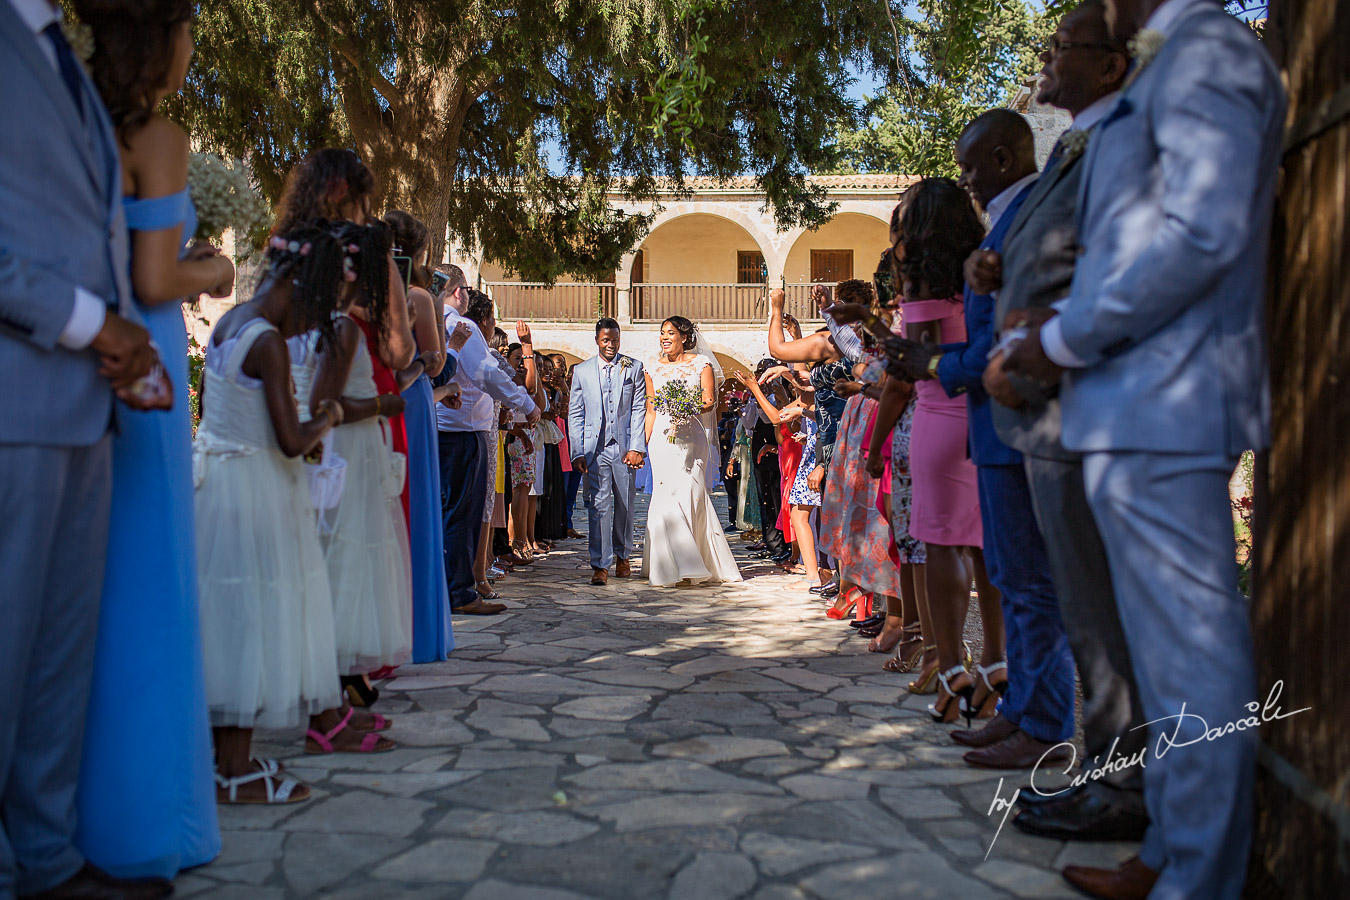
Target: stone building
(712, 255)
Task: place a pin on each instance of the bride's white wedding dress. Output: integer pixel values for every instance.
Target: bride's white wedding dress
(684, 540)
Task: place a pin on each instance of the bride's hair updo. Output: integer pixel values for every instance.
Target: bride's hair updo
(685, 328)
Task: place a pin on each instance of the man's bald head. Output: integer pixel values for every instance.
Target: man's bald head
(995, 151)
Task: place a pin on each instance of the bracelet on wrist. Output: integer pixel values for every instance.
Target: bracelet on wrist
(377, 405)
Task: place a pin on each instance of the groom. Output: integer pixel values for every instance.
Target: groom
(606, 429)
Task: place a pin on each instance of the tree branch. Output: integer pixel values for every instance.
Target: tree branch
(347, 47)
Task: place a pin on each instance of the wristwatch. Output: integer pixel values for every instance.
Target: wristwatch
(933, 364)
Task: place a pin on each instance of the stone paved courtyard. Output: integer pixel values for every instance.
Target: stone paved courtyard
(630, 742)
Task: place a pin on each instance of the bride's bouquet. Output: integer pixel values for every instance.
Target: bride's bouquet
(679, 400)
(223, 197)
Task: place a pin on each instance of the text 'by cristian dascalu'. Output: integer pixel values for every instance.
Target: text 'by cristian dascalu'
(1196, 731)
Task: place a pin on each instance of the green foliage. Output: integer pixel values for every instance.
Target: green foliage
(196, 360)
(453, 102)
(964, 58)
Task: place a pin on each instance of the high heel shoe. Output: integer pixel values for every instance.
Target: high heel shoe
(924, 683)
(850, 600)
(983, 707)
(865, 606)
(957, 702)
(359, 691)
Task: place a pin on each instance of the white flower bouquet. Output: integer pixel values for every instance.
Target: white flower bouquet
(223, 196)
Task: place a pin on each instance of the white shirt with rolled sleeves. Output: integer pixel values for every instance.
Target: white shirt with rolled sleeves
(480, 382)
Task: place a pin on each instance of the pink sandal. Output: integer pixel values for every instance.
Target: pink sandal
(369, 743)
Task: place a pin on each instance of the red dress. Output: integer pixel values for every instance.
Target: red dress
(789, 458)
(387, 383)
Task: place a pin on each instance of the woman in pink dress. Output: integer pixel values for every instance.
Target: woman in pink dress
(939, 229)
(934, 230)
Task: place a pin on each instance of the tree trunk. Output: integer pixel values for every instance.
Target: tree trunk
(411, 141)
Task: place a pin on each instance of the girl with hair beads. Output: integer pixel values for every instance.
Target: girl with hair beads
(266, 609)
(366, 543)
(336, 185)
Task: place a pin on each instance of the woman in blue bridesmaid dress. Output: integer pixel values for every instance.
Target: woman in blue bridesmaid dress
(433, 638)
(146, 799)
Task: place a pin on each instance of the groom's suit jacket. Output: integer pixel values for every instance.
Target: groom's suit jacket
(1166, 309)
(61, 225)
(627, 417)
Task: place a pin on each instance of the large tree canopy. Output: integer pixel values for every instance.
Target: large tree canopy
(455, 105)
(966, 57)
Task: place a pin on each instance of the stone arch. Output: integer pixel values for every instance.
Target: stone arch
(862, 226)
(754, 230)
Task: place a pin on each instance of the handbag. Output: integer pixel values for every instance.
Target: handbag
(549, 432)
(327, 479)
(396, 464)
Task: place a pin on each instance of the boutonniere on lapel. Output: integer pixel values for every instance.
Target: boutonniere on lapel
(625, 362)
(81, 40)
(1144, 47)
(1075, 142)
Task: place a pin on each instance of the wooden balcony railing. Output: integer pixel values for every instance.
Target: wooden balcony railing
(538, 302)
(649, 303)
(713, 303)
(799, 301)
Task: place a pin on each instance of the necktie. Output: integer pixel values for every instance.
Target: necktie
(607, 386)
(65, 61)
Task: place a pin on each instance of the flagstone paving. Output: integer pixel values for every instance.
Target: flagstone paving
(630, 742)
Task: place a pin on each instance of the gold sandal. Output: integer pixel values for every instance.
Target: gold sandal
(926, 682)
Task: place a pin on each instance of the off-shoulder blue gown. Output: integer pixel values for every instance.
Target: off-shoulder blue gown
(146, 801)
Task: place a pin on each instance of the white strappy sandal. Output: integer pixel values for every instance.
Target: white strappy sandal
(277, 794)
(996, 691)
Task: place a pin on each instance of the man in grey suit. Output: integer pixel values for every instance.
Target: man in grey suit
(1163, 353)
(607, 431)
(1083, 71)
(64, 352)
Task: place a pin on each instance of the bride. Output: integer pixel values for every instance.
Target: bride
(684, 541)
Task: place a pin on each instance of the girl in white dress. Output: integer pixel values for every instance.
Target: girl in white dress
(266, 613)
(365, 538)
(685, 541)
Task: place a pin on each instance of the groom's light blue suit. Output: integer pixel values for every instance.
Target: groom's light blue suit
(1166, 314)
(61, 228)
(606, 419)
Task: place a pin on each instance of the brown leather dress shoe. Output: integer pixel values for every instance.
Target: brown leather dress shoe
(92, 883)
(599, 576)
(996, 730)
(480, 608)
(1017, 751)
(622, 569)
(1132, 881)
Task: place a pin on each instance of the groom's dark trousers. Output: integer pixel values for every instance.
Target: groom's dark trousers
(610, 491)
